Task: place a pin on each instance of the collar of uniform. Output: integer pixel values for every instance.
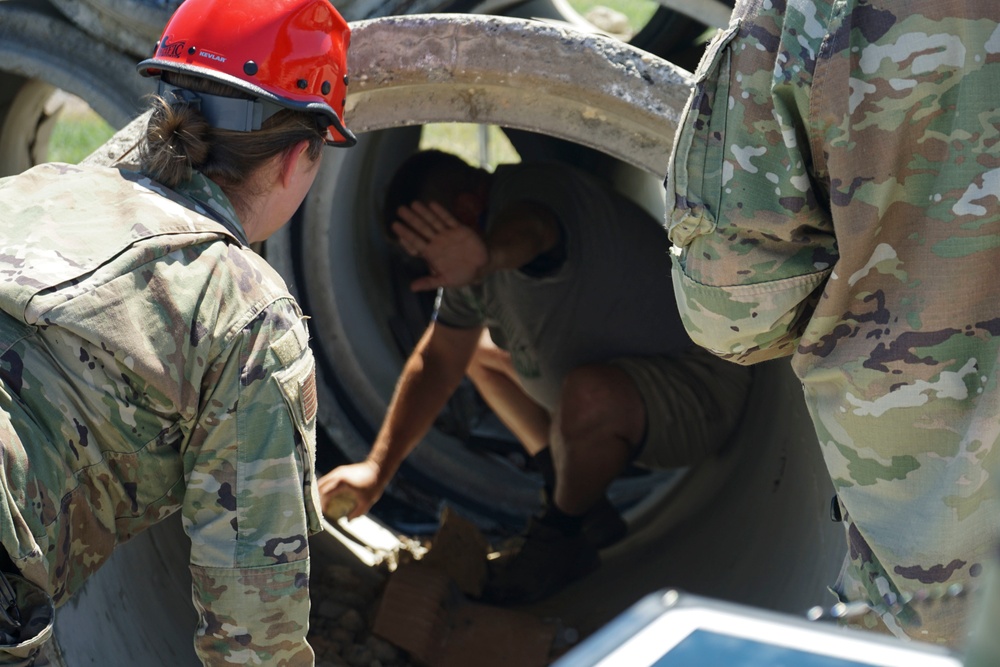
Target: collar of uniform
(212, 202)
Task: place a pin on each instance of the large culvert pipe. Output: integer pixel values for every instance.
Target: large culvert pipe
(749, 526)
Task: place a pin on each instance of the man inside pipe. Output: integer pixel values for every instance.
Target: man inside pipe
(591, 367)
(833, 196)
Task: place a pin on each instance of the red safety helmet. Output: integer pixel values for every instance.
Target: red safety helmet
(292, 53)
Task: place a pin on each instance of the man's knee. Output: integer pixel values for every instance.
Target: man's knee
(600, 400)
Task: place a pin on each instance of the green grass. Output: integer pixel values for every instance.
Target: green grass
(76, 135)
(638, 12)
(462, 139)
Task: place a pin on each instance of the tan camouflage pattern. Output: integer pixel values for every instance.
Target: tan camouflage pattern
(833, 195)
(151, 362)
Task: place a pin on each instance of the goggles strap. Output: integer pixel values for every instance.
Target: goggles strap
(224, 113)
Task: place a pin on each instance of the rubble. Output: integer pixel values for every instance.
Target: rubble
(343, 607)
(460, 551)
(423, 611)
(413, 606)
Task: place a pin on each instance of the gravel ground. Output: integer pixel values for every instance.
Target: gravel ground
(343, 611)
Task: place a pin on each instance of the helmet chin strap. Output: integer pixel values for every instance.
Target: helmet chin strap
(224, 113)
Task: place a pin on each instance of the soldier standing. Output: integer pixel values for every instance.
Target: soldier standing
(833, 195)
(150, 361)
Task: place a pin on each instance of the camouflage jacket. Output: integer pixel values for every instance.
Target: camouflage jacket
(833, 195)
(151, 362)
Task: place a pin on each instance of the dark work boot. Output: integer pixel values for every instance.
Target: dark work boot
(603, 524)
(549, 559)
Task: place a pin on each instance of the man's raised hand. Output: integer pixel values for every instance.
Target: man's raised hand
(455, 253)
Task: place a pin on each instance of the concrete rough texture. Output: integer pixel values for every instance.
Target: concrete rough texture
(343, 607)
(516, 73)
(421, 613)
(122, 148)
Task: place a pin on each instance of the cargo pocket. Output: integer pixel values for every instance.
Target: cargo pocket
(20, 647)
(696, 171)
(297, 381)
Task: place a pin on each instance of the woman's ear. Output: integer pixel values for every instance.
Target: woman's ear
(293, 160)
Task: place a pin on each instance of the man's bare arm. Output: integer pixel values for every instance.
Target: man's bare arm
(430, 376)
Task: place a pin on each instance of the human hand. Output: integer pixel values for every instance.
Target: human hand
(455, 253)
(350, 490)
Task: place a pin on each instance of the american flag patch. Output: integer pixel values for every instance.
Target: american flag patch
(309, 396)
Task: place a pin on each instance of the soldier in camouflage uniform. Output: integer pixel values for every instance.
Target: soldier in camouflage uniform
(833, 195)
(151, 362)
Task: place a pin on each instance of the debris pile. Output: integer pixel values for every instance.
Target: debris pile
(343, 608)
(418, 609)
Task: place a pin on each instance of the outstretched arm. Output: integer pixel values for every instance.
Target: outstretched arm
(429, 378)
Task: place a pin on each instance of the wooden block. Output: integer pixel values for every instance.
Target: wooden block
(459, 549)
(423, 612)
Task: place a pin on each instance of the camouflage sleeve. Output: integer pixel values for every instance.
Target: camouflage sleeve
(250, 501)
(752, 243)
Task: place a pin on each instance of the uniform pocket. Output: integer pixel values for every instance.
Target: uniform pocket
(696, 172)
(297, 381)
(21, 647)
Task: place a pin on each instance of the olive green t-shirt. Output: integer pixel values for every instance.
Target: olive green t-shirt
(610, 296)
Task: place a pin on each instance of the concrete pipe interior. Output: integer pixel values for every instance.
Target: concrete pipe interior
(750, 526)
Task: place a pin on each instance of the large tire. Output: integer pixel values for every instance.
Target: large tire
(130, 26)
(40, 52)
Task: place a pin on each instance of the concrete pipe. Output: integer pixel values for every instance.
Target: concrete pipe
(749, 526)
